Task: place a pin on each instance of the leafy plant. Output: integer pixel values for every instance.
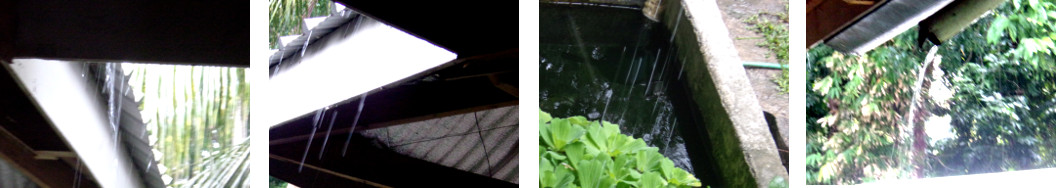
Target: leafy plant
(276, 182)
(576, 152)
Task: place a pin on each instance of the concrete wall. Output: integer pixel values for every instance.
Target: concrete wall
(741, 140)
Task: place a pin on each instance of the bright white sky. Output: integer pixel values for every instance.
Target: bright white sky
(375, 56)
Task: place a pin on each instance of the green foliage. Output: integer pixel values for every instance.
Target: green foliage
(285, 17)
(778, 182)
(197, 118)
(276, 183)
(775, 33)
(1026, 29)
(858, 140)
(575, 152)
(774, 28)
(1002, 110)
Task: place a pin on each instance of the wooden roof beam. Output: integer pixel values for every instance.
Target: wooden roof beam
(46, 173)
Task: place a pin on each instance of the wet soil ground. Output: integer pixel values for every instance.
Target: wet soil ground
(734, 13)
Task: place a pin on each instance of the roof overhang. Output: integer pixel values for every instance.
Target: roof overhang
(468, 28)
(57, 123)
(167, 32)
(483, 79)
(858, 26)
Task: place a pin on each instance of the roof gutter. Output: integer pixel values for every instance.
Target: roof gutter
(883, 23)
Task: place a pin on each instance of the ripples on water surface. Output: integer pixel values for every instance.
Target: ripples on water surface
(616, 65)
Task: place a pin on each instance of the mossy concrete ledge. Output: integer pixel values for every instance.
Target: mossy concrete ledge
(741, 141)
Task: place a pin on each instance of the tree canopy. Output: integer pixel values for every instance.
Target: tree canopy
(285, 17)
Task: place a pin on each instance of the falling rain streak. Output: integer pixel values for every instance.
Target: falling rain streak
(327, 137)
(359, 111)
(306, 42)
(680, 69)
(315, 125)
(113, 87)
(651, 72)
(677, 22)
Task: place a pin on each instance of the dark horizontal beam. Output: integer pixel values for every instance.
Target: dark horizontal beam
(166, 32)
(7, 31)
(367, 162)
(468, 28)
(315, 170)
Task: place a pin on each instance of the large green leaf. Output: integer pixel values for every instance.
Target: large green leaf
(626, 145)
(597, 138)
(997, 29)
(577, 152)
(590, 173)
(600, 156)
(652, 179)
(546, 139)
(554, 176)
(563, 133)
(648, 160)
(544, 117)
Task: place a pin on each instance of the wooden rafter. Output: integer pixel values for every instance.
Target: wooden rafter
(46, 173)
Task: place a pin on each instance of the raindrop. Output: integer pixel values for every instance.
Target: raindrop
(84, 69)
(667, 58)
(677, 21)
(608, 98)
(634, 56)
(354, 122)
(596, 54)
(315, 125)
(306, 41)
(681, 69)
(333, 117)
(77, 174)
(622, 54)
(279, 64)
(650, 82)
(635, 80)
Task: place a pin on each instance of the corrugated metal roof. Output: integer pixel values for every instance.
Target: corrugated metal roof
(483, 142)
(133, 131)
(329, 24)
